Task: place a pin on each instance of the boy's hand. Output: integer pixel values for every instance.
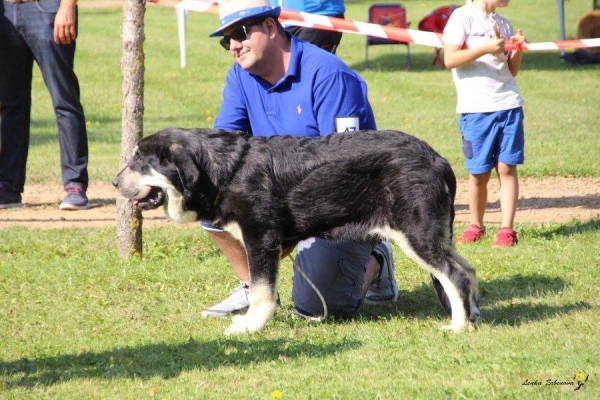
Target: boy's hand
(518, 39)
(495, 45)
(497, 31)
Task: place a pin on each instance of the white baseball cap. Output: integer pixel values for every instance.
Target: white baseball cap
(234, 11)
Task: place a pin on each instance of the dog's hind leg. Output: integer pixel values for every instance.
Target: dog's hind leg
(457, 291)
(452, 280)
(470, 271)
(441, 293)
(474, 290)
(263, 262)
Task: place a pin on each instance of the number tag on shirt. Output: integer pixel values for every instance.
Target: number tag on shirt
(346, 124)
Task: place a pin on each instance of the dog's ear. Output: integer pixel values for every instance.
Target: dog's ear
(185, 164)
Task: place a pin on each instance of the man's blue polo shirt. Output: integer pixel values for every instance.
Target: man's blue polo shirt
(317, 88)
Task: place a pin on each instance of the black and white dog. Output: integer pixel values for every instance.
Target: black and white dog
(270, 193)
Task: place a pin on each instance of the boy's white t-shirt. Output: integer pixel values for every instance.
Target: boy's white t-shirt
(486, 84)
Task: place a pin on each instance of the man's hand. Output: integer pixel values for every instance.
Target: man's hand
(64, 23)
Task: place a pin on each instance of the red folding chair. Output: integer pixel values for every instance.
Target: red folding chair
(392, 15)
(436, 21)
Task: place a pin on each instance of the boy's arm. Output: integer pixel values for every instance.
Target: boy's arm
(457, 56)
(514, 58)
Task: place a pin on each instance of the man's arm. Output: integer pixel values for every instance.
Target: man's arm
(341, 95)
(233, 114)
(64, 23)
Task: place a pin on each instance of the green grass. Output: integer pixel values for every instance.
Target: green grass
(78, 327)
(76, 323)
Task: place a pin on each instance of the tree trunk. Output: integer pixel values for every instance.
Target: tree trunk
(129, 220)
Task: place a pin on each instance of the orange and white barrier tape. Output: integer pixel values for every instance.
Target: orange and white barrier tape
(364, 28)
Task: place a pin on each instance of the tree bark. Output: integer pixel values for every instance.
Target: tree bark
(129, 220)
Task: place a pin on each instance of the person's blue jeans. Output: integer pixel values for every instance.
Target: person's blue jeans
(27, 35)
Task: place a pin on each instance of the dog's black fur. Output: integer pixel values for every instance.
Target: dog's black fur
(271, 193)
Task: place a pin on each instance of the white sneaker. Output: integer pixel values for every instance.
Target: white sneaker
(238, 300)
(384, 289)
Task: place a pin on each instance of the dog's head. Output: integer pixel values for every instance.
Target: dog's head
(166, 169)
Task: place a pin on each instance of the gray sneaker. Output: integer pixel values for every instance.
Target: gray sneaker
(8, 198)
(238, 300)
(75, 200)
(384, 288)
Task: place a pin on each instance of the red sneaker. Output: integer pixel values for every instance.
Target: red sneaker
(506, 237)
(472, 234)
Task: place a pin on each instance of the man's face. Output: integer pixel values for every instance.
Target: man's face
(247, 42)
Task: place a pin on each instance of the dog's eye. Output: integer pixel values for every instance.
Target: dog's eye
(136, 159)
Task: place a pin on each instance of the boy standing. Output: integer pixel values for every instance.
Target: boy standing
(490, 108)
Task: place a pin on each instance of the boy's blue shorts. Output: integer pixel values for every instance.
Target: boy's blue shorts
(489, 138)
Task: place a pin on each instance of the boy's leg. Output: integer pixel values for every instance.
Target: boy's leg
(509, 193)
(510, 153)
(478, 142)
(511, 149)
(478, 196)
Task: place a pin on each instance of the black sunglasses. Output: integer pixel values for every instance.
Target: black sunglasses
(239, 34)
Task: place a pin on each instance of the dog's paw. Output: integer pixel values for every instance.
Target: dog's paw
(457, 328)
(475, 315)
(243, 324)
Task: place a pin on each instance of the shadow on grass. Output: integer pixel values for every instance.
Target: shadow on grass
(524, 313)
(523, 292)
(570, 229)
(160, 360)
(515, 300)
(589, 201)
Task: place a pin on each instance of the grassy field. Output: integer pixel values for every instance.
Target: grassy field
(76, 323)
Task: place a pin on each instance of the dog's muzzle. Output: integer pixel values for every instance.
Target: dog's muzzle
(155, 199)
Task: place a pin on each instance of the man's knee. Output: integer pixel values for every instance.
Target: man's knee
(337, 272)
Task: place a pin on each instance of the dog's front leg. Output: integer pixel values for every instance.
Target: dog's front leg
(263, 261)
